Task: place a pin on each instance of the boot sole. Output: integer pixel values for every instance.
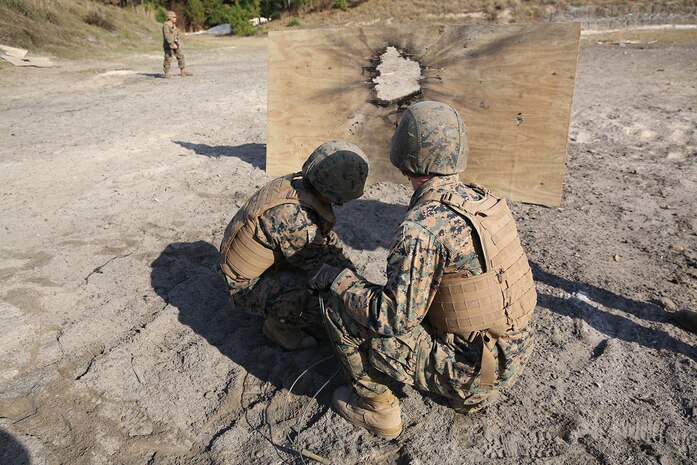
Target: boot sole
(386, 433)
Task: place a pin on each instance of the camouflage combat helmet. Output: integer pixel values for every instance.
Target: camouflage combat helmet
(430, 139)
(337, 170)
(171, 14)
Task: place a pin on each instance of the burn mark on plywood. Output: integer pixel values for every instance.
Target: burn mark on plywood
(490, 73)
(395, 77)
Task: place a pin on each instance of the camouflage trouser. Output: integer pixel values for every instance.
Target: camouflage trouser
(447, 366)
(282, 293)
(168, 59)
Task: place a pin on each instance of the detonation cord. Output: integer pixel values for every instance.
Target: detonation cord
(295, 442)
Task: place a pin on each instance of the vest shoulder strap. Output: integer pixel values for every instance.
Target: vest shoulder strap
(307, 199)
(473, 210)
(285, 193)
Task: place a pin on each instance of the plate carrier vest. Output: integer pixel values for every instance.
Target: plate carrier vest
(242, 256)
(502, 297)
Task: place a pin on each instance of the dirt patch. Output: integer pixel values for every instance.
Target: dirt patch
(120, 345)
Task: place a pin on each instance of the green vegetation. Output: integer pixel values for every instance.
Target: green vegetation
(293, 22)
(76, 28)
(161, 14)
(196, 15)
(239, 16)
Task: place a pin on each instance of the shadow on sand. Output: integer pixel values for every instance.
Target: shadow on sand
(152, 75)
(185, 276)
(11, 451)
(610, 324)
(254, 154)
(368, 224)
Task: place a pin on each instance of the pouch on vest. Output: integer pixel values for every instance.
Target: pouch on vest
(242, 256)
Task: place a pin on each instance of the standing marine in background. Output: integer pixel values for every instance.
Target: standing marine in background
(452, 318)
(282, 233)
(172, 45)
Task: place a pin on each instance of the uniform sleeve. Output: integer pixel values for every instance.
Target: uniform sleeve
(414, 271)
(168, 34)
(336, 249)
(293, 231)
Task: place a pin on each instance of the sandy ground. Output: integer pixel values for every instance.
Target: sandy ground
(118, 345)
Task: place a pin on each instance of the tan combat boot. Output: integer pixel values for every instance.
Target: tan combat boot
(167, 75)
(184, 72)
(474, 404)
(285, 336)
(379, 415)
(686, 319)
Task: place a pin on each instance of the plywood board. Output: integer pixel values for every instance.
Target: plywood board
(12, 51)
(513, 86)
(38, 62)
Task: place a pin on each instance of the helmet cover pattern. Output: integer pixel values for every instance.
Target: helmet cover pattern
(337, 170)
(430, 139)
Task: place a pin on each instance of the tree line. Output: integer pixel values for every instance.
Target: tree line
(196, 15)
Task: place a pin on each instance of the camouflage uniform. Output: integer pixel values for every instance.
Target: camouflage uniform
(170, 36)
(284, 232)
(296, 232)
(380, 332)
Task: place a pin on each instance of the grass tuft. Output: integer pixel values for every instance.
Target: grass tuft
(76, 28)
(101, 20)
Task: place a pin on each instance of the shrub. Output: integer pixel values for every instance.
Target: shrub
(36, 11)
(238, 18)
(297, 5)
(293, 22)
(341, 4)
(215, 13)
(161, 14)
(196, 14)
(272, 8)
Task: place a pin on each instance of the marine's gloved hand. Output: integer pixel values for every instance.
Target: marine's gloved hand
(322, 278)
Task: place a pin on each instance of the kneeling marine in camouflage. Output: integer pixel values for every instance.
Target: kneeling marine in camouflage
(283, 232)
(453, 317)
